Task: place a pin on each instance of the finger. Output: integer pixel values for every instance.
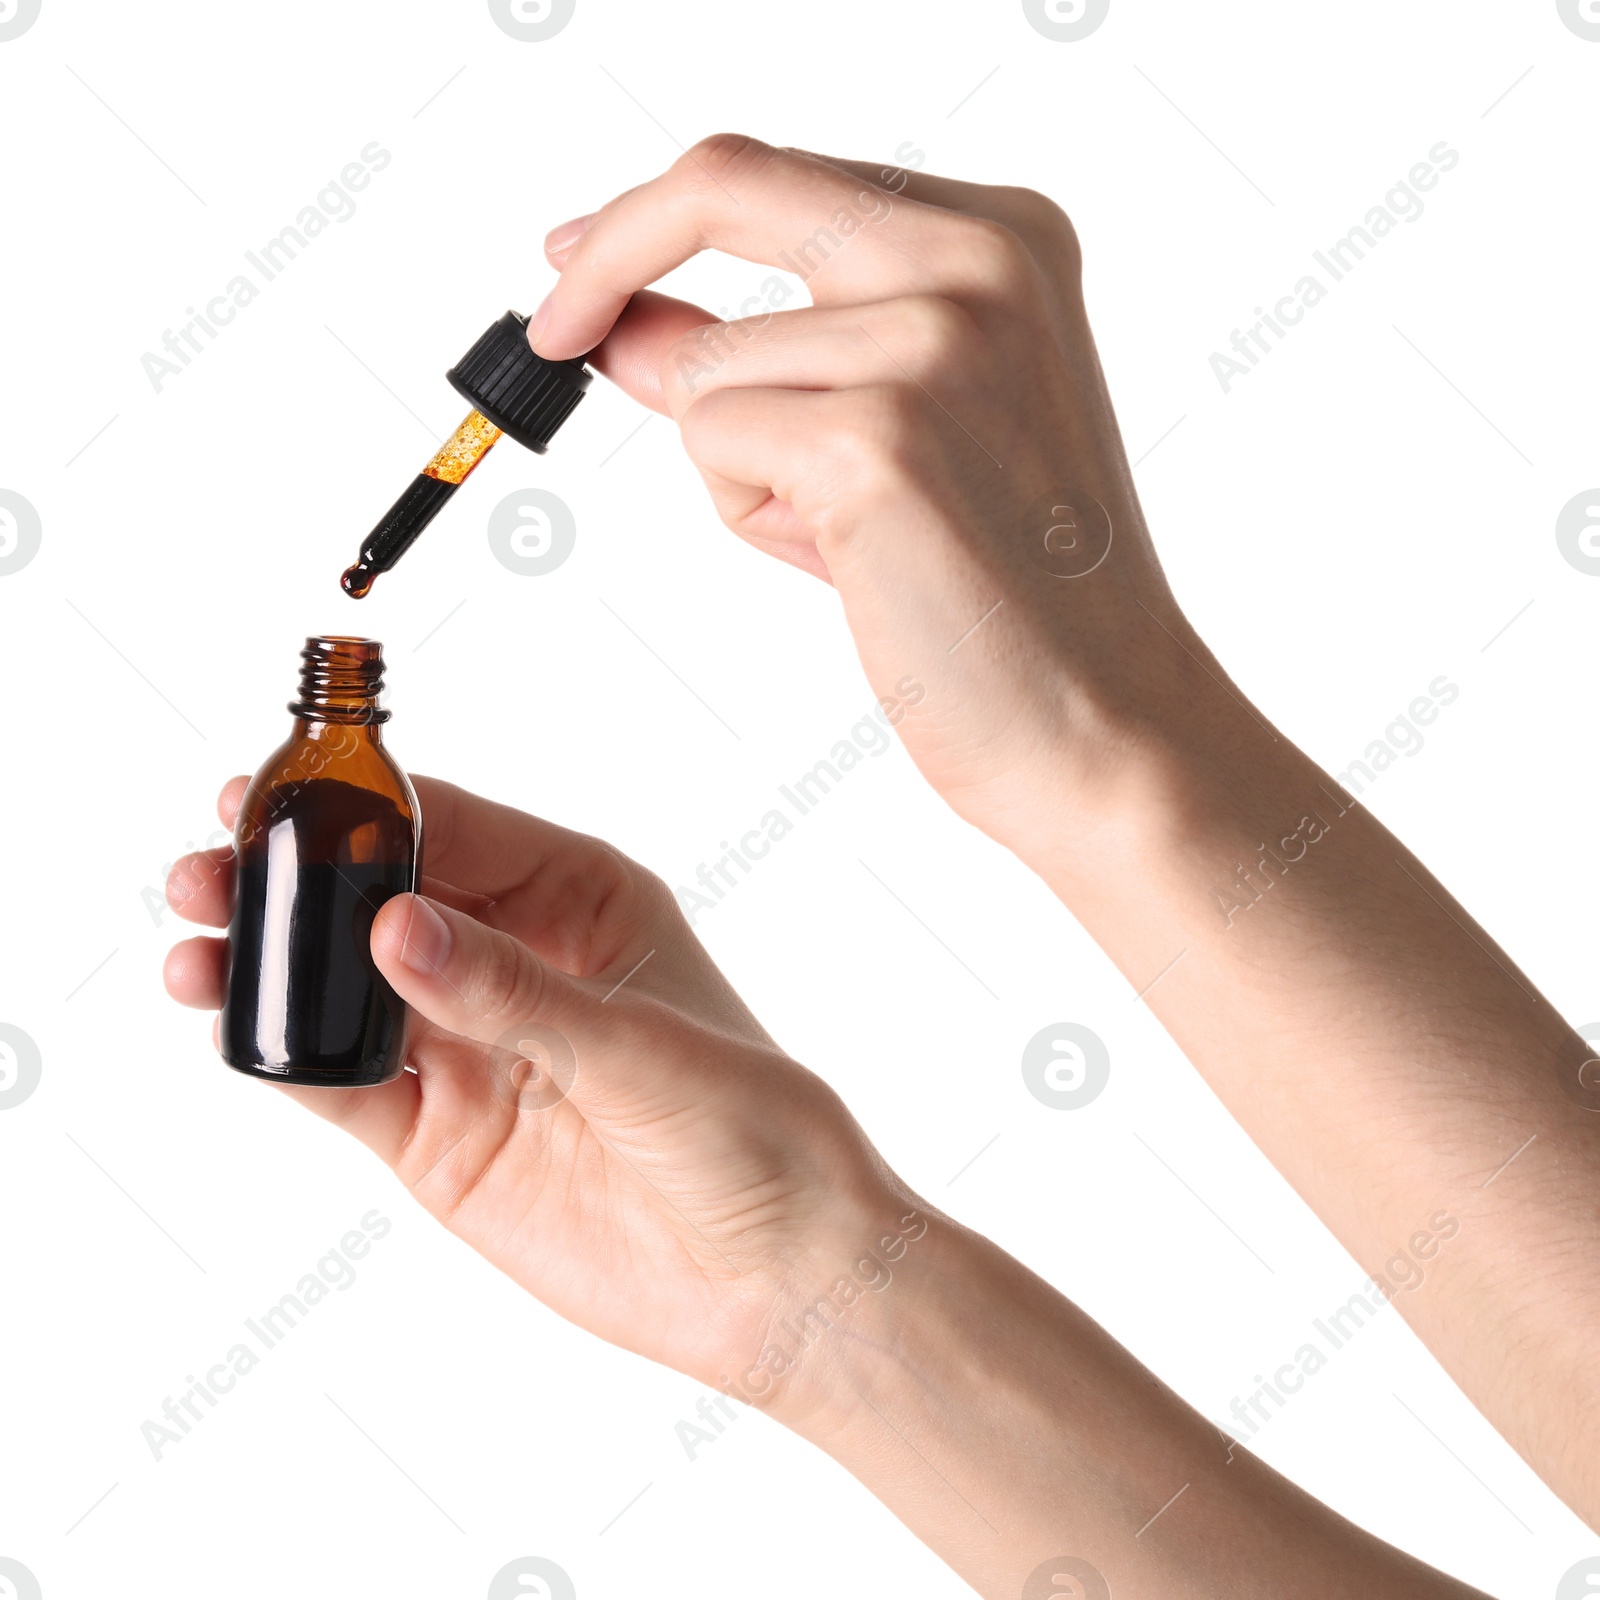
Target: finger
(736, 194)
(559, 241)
(649, 334)
(765, 522)
(810, 349)
(1024, 211)
(194, 972)
(632, 353)
(575, 901)
(780, 461)
(231, 798)
(200, 886)
(382, 1117)
(443, 1125)
(457, 899)
(570, 896)
(481, 984)
(488, 849)
(913, 338)
(809, 467)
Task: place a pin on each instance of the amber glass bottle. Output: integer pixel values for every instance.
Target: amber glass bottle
(329, 829)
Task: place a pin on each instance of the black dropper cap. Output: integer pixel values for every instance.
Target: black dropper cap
(519, 393)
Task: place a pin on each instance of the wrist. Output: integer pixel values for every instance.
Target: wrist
(1015, 1438)
(837, 1299)
(897, 1327)
(1174, 766)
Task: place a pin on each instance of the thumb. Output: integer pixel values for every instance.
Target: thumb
(632, 353)
(484, 985)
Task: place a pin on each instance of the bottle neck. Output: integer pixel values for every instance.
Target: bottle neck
(340, 681)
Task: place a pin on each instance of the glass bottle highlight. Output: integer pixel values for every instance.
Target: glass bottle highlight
(329, 829)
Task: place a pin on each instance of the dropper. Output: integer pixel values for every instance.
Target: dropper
(514, 393)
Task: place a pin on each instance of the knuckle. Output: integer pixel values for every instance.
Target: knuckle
(619, 874)
(720, 158)
(935, 330)
(654, 893)
(618, 882)
(896, 423)
(692, 361)
(509, 983)
(650, 900)
(444, 821)
(876, 437)
(703, 421)
(993, 248)
(1042, 226)
(1037, 211)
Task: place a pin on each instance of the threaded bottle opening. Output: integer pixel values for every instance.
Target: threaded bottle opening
(340, 680)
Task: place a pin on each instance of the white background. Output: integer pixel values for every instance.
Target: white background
(1364, 512)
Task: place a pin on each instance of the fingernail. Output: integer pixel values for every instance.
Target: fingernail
(567, 235)
(537, 321)
(425, 946)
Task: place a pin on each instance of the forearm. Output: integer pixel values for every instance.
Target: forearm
(1007, 1430)
(1385, 1054)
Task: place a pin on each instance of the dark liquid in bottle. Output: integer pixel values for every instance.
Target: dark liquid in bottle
(305, 1000)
